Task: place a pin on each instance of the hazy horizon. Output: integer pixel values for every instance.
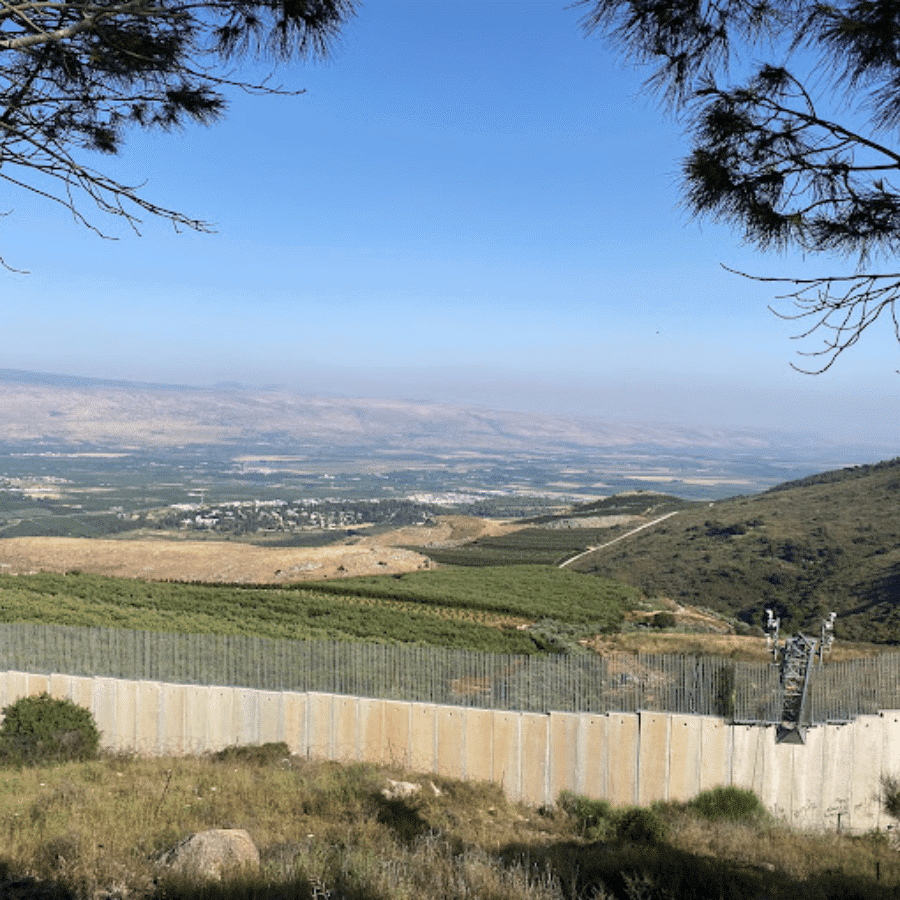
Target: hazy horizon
(471, 204)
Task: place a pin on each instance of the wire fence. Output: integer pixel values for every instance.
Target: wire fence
(579, 682)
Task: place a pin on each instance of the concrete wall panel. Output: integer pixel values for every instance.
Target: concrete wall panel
(774, 782)
(684, 757)
(81, 690)
(222, 731)
(396, 732)
(148, 700)
(245, 716)
(623, 740)
(507, 765)
(653, 757)
(173, 698)
(345, 748)
(535, 753)
(60, 687)
(196, 717)
(271, 717)
(16, 686)
(422, 722)
(890, 752)
(38, 684)
(566, 754)
(103, 707)
(593, 753)
(126, 715)
(806, 781)
(479, 751)
(370, 730)
(837, 749)
(295, 722)
(716, 744)
(747, 756)
(320, 725)
(764, 767)
(864, 772)
(451, 741)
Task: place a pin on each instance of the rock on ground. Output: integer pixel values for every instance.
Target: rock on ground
(209, 854)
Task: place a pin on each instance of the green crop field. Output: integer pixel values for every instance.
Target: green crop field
(529, 546)
(447, 608)
(532, 592)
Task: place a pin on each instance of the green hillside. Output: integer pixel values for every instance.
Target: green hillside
(828, 542)
(551, 539)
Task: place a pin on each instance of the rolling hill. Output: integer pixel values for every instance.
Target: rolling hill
(803, 548)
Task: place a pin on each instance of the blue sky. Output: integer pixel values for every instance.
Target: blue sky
(472, 203)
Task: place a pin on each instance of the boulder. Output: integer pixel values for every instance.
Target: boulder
(398, 790)
(209, 854)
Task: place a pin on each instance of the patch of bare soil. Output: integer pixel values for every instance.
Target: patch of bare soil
(729, 645)
(688, 617)
(447, 531)
(202, 560)
(231, 561)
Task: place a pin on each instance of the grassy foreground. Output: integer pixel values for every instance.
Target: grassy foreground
(91, 830)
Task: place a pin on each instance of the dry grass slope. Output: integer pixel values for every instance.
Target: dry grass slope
(92, 831)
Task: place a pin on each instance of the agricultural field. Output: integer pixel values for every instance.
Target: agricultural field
(455, 608)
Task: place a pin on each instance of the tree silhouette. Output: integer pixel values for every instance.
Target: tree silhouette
(76, 74)
(766, 157)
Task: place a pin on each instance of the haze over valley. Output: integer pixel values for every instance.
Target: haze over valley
(92, 445)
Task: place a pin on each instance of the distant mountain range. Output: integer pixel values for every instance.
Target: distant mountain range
(75, 410)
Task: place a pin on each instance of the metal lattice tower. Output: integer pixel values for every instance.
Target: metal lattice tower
(796, 661)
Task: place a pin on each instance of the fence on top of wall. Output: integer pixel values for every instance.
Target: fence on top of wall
(579, 682)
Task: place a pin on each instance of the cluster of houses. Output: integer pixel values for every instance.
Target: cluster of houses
(298, 515)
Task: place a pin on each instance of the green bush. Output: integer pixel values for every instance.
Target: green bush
(736, 804)
(41, 729)
(269, 754)
(890, 795)
(638, 825)
(663, 620)
(593, 818)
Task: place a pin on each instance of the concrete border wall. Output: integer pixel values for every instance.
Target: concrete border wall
(831, 782)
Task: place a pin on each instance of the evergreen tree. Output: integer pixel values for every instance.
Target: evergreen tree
(767, 157)
(75, 74)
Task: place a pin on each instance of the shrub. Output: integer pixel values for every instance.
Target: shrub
(42, 729)
(663, 620)
(254, 754)
(890, 795)
(638, 825)
(593, 818)
(736, 804)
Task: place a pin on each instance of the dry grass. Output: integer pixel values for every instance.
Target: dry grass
(750, 649)
(211, 561)
(94, 829)
(800, 856)
(174, 557)
(96, 826)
